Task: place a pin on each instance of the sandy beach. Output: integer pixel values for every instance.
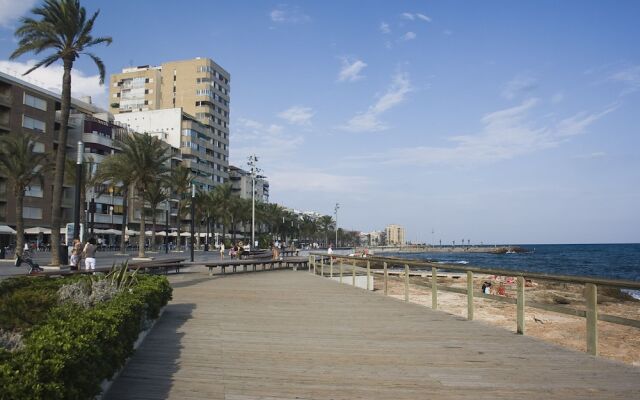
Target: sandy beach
(616, 342)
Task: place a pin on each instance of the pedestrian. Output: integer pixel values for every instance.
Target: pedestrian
(76, 252)
(89, 254)
(222, 250)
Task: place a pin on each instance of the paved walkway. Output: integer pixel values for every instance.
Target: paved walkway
(292, 335)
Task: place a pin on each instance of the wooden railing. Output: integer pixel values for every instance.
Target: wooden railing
(325, 265)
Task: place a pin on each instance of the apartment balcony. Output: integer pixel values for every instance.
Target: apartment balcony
(97, 139)
(107, 218)
(6, 99)
(73, 122)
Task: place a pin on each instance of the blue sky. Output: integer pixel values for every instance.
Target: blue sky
(495, 121)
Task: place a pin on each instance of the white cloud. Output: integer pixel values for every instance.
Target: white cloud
(297, 115)
(413, 16)
(630, 77)
(521, 84)
(368, 121)
(11, 10)
(588, 156)
(50, 78)
(409, 36)
(270, 141)
(311, 180)
(350, 70)
(287, 14)
(506, 134)
(447, 32)
(384, 28)
(557, 98)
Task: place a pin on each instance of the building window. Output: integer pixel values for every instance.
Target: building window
(35, 102)
(38, 147)
(34, 191)
(32, 123)
(32, 212)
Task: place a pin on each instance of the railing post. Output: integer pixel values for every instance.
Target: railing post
(330, 267)
(386, 279)
(310, 262)
(314, 265)
(434, 288)
(591, 296)
(469, 295)
(520, 306)
(341, 270)
(353, 270)
(368, 274)
(322, 266)
(406, 282)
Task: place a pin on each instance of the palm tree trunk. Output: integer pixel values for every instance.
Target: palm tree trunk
(141, 237)
(56, 202)
(153, 232)
(19, 195)
(178, 225)
(123, 245)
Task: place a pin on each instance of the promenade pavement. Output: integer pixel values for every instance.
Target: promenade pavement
(292, 335)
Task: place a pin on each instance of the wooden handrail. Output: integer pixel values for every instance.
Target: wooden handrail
(591, 289)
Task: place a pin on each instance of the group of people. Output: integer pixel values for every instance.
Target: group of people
(234, 252)
(86, 252)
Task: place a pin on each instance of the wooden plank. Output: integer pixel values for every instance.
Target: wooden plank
(271, 336)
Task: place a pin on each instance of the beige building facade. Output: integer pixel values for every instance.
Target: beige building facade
(199, 90)
(395, 235)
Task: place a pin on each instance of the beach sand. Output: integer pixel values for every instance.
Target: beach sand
(616, 342)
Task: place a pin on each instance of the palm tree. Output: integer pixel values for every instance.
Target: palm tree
(180, 181)
(64, 28)
(326, 224)
(21, 166)
(224, 197)
(117, 170)
(156, 193)
(147, 156)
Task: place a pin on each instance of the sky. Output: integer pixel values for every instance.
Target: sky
(489, 121)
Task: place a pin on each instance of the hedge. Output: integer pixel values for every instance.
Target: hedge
(69, 355)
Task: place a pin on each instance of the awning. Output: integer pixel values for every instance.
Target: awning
(112, 232)
(6, 230)
(37, 230)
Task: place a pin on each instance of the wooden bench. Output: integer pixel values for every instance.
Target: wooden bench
(267, 264)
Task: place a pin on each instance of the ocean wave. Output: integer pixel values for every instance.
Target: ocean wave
(633, 293)
(453, 262)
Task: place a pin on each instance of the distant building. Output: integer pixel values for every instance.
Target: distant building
(395, 235)
(241, 184)
(374, 238)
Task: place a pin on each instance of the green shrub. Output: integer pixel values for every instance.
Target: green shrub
(76, 348)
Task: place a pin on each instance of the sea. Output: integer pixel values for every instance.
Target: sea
(611, 261)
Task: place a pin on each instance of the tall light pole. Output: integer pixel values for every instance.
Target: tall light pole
(76, 204)
(253, 160)
(336, 213)
(193, 217)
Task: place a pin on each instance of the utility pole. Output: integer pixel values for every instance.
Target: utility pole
(193, 217)
(253, 160)
(336, 213)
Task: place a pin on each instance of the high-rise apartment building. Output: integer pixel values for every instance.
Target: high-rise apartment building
(395, 235)
(200, 88)
(241, 184)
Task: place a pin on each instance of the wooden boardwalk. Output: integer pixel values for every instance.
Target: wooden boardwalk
(292, 335)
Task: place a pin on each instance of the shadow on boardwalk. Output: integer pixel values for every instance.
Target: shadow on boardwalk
(292, 335)
(148, 375)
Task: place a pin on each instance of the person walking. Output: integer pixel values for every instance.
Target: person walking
(89, 254)
(76, 253)
(222, 250)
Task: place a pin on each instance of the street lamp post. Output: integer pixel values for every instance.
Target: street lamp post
(193, 217)
(166, 229)
(76, 204)
(253, 159)
(336, 213)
